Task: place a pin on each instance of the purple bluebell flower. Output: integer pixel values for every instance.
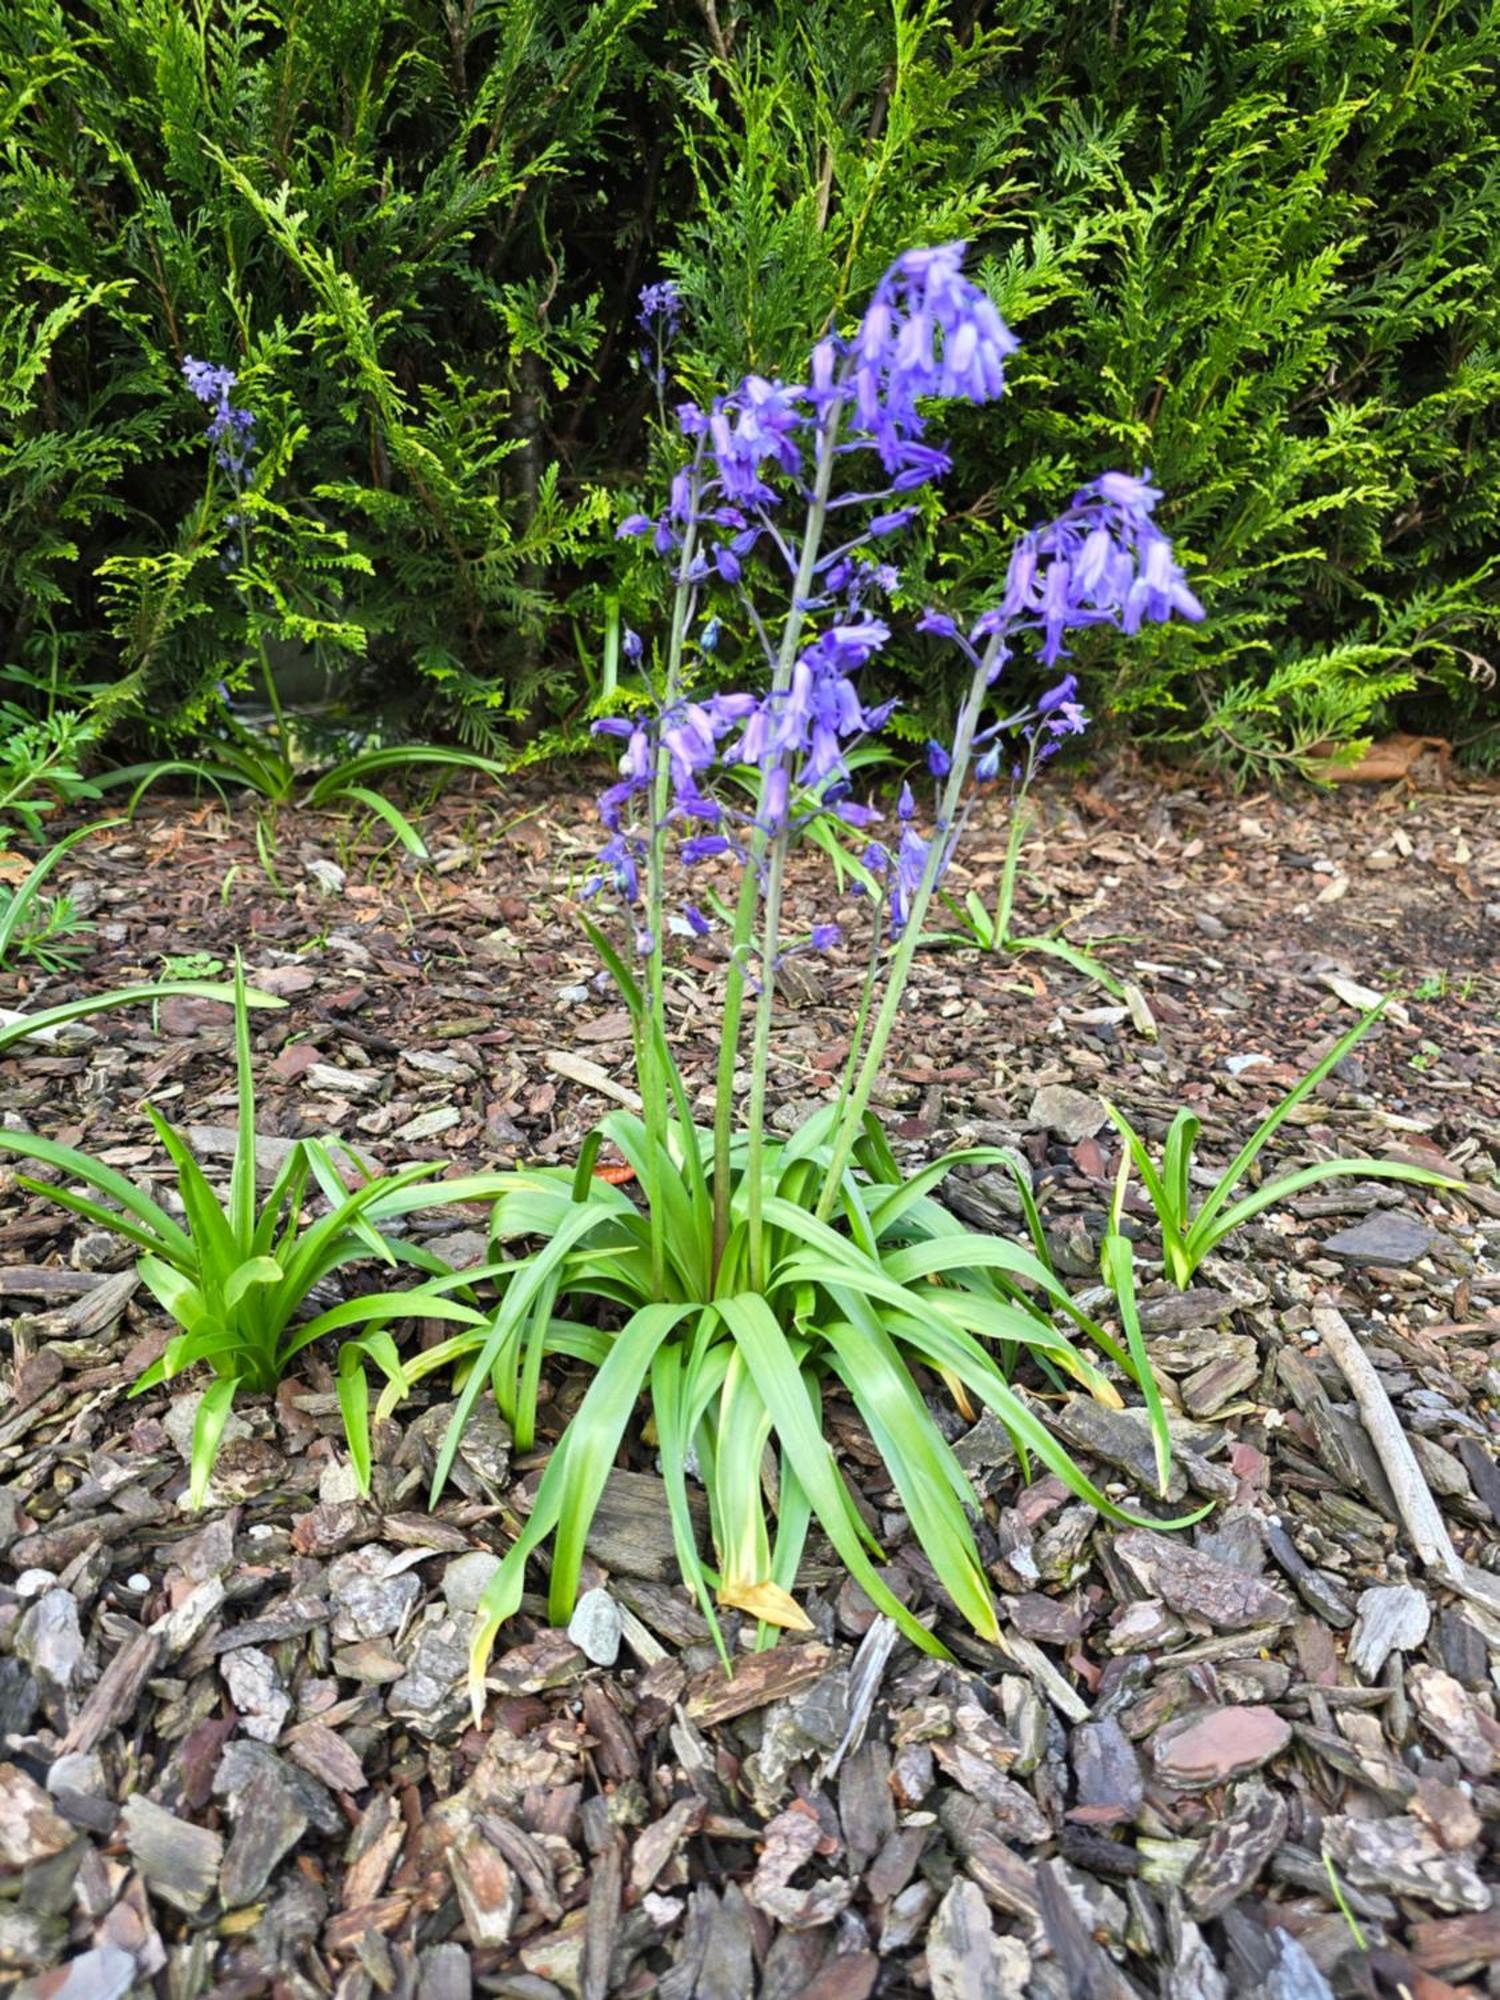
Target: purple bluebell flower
(708, 638)
(697, 923)
(755, 428)
(661, 307)
(775, 799)
(630, 644)
(939, 763)
(825, 937)
(938, 623)
(231, 430)
(634, 524)
(892, 523)
(1057, 697)
(929, 332)
(705, 847)
(1159, 589)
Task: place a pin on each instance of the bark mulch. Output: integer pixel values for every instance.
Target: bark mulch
(1261, 1756)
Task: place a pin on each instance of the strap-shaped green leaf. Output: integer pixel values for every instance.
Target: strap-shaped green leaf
(779, 1380)
(208, 1433)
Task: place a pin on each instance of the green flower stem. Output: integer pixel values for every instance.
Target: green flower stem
(862, 1013)
(847, 1131)
(1005, 895)
(760, 1054)
(744, 915)
(268, 679)
(654, 1087)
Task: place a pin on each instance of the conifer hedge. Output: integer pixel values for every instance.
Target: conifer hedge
(1249, 243)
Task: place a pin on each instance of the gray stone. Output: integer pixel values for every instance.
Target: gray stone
(263, 1704)
(368, 1603)
(596, 1626)
(80, 1771)
(106, 1974)
(1071, 1115)
(466, 1579)
(1389, 1236)
(430, 1695)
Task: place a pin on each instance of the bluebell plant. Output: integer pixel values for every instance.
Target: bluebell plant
(241, 755)
(756, 1272)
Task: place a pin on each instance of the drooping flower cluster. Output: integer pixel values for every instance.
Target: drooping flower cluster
(929, 334)
(661, 308)
(796, 738)
(659, 318)
(231, 430)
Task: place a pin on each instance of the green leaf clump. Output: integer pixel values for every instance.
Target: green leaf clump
(236, 1275)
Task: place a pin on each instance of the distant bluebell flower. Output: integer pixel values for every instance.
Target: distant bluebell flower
(825, 937)
(634, 524)
(939, 763)
(661, 305)
(209, 382)
(1068, 719)
(230, 429)
(630, 644)
(623, 856)
(708, 638)
(698, 924)
(987, 765)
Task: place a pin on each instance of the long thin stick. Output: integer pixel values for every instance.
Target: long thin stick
(1419, 1511)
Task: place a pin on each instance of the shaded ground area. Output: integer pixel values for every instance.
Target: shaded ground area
(238, 1756)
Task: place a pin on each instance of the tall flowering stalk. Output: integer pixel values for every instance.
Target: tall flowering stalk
(231, 432)
(758, 1272)
(851, 446)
